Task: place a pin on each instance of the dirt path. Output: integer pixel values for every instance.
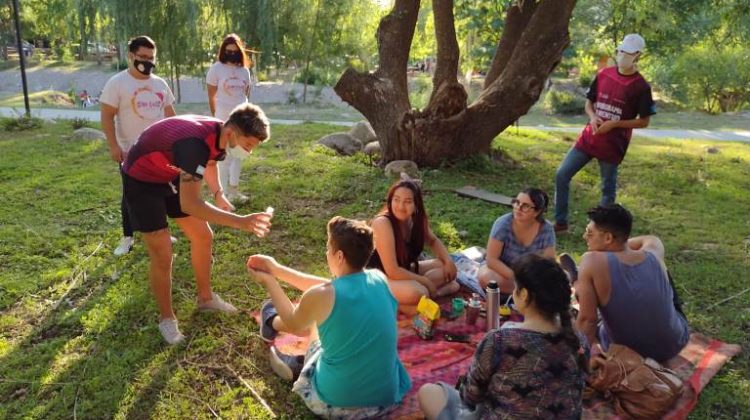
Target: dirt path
(741, 136)
(192, 89)
(738, 135)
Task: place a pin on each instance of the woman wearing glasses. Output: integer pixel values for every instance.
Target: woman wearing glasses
(523, 231)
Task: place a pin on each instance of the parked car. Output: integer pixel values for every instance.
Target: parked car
(94, 49)
(28, 48)
(100, 48)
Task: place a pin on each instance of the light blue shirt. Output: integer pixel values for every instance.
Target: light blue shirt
(502, 230)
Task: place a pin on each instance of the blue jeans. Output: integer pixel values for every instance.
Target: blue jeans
(574, 161)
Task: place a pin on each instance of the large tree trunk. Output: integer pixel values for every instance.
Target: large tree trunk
(382, 96)
(536, 32)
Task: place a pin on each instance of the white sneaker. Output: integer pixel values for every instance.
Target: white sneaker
(216, 304)
(173, 239)
(126, 243)
(170, 331)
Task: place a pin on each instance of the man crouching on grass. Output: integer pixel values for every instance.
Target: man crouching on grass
(163, 175)
(351, 369)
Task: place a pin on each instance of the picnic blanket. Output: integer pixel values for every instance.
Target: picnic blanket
(439, 360)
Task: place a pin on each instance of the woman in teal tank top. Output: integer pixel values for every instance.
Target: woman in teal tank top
(352, 368)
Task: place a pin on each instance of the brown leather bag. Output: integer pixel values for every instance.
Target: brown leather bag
(641, 388)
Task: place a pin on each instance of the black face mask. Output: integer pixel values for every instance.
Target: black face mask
(143, 67)
(235, 57)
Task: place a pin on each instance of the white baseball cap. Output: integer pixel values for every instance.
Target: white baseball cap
(632, 43)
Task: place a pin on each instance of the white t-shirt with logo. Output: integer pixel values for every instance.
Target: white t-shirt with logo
(231, 84)
(139, 104)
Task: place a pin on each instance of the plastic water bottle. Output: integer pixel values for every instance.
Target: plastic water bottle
(493, 303)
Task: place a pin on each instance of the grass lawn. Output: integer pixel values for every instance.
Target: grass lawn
(78, 334)
(40, 99)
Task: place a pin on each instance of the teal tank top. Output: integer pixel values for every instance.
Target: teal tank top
(359, 365)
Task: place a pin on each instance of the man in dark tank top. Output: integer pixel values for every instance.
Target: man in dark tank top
(625, 279)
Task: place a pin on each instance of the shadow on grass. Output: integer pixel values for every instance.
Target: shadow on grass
(72, 361)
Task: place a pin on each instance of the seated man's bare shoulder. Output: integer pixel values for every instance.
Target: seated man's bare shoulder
(592, 261)
(594, 271)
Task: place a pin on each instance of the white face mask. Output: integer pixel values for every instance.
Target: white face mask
(238, 152)
(625, 61)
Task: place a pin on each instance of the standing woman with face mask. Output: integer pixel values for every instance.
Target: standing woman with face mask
(228, 84)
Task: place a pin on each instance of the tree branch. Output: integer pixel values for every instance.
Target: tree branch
(447, 45)
(395, 34)
(521, 81)
(386, 86)
(516, 21)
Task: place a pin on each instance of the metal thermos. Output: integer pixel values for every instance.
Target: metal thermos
(493, 303)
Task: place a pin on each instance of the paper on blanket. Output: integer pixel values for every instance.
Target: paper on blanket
(467, 265)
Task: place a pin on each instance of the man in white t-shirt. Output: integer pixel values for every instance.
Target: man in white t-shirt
(132, 100)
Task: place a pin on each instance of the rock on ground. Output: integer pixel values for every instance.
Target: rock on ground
(394, 168)
(363, 132)
(86, 133)
(372, 148)
(342, 143)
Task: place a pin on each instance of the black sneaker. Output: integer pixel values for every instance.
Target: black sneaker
(288, 367)
(569, 266)
(267, 314)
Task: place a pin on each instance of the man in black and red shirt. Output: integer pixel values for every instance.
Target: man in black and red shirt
(618, 101)
(163, 174)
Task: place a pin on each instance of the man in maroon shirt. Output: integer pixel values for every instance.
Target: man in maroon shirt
(163, 175)
(618, 101)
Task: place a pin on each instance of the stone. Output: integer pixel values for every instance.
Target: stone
(394, 168)
(363, 132)
(87, 133)
(342, 143)
(372, 148)
(712, 150)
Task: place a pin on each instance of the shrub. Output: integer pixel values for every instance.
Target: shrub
(118, 65)
(420, 90)
(21, 123)
(310, 76)
(62, 53)
(77, 123)
(561, 102)
(292, 97)
(584, 80)
(710, 78)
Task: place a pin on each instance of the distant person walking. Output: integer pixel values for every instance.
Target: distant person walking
(619, 100)
(85, 99)
(228, 83)
(132, 100)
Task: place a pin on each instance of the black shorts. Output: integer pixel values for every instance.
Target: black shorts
(149, 204)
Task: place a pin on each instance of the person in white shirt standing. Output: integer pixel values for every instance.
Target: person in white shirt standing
(132, 100)
(228, 84)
